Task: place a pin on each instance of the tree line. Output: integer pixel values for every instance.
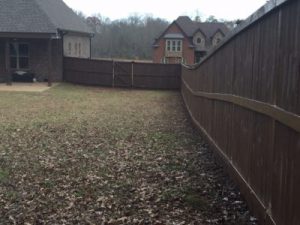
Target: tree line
(129, 38)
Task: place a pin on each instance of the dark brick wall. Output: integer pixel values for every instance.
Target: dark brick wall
(57, 60)
(39, 59)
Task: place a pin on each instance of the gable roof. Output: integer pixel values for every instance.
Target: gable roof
(208, 29)
(189, 28)
(39, 16)
(218, 31)
(165, 32)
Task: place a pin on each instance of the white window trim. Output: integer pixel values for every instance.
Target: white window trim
(170, 47)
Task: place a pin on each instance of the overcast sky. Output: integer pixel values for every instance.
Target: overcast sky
(167, 9)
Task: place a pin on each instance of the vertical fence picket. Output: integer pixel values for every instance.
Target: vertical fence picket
(132, 84)
(113, 73)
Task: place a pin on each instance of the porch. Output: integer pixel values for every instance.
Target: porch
(38, 56)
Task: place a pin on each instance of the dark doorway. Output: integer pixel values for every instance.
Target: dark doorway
(199, 55)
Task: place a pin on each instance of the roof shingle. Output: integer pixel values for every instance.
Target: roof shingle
(39, 16)
(191, 27)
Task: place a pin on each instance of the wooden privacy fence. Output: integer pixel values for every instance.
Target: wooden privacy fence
(122, 74)
(245, 98)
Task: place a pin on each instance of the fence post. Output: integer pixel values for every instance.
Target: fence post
(7, 64)
(50, 66)
(132, 73)
(113, 73)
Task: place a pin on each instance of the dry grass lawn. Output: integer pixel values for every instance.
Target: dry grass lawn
(80, 155)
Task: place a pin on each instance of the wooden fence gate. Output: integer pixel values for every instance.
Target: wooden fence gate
(123, 75)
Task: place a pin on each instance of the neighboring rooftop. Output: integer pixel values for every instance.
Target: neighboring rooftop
(189, 28)
(39, 16)
(208, 28)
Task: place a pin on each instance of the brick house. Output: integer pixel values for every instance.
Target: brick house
(35, 35)
(186, 41)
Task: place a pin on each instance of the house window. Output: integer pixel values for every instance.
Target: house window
(168, 45)
(19, 55)
(70, 48)
(218, 40)
(199, 40)
(79, 49)
(76, 48)
(179, 46)
(174, 46)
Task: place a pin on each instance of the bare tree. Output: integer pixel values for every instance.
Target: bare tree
(130, 38)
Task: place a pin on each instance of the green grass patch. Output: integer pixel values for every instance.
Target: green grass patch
(196, 201)
(4, 175)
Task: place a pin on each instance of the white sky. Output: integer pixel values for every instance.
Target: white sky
(167, 9)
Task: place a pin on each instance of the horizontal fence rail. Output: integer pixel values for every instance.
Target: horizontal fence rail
(122, 74)
(245, 99)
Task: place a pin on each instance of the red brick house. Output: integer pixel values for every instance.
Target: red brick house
(35, 35)
(186, 41)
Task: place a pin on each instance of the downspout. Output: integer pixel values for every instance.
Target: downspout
(91, 36)
(90, 47)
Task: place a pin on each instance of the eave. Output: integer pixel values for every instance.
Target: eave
(26, 35)
(76, 33)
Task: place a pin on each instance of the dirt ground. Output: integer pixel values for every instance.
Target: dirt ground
(80, 155)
